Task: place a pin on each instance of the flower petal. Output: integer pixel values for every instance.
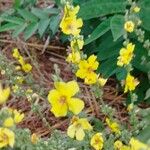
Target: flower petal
(80, 134)
(71, 131)
(72, 87)
(53, 96)
(75, 105)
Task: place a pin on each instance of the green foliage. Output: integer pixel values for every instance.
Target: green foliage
(30, 20)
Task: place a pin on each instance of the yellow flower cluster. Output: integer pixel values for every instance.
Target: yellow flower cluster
(4, 94)
(126, 55)
(134, 144)
(62, 100)
(26, 67)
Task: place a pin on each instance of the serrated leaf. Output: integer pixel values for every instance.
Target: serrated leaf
(116, 24)
(27, 15)
(43, 24)
(54, 23)
(8, 26)
(97, 8)
(30, 30)
(101, 29)
(19, 30)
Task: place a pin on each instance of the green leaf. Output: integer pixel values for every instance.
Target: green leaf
(43, 24)
(27, 15)
(8, 26)
(101, 29)
(121, 73)
(147, 94)
(98, 8)
(30, 30)
(116, 24)
(39, 13)
(19, 30)
(13, 19)
(54, 23)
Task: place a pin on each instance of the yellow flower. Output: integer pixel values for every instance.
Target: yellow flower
(130, 83)
(87, 68)
(97, 141)
(126, 55)
(129, 26)
(74, 57)
(77, 43)
(130, 107)
(71, 25)
(7, 137)
(17, 68)
(77, 127)
(117, 145)
(136, 9)
(26, 67)
(8, 122)
(16, 53)
(102, 81)
(34, 138)
(21, 60)
(4, 94)
(114, 126)
(138, 145)
(62, 100)
(18, 117)
(20, 79)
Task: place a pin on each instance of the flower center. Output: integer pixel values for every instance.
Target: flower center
(4, 138)
(62, 99)
(90, 69)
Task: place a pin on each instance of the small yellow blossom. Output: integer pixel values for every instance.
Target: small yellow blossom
(117, 145)
(114, 126)
(71, 26)
(136, 9)
(126, 55)
(16, 53)
(129, 26)
(74, 57)
(87, 68)
(62, 100)
(4, 94)
(130, 107)
(77, 43)
(138, 145)
(20, 79)
(8, 122)
(18, 117)
(15, 88)
(130, 83)
(97, 141)
(17, 68)
(77, 127)
(102, 81)
(26, 67)
(34, 138)
(7, 138)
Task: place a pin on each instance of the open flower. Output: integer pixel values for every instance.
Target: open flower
(77, 127)
(118, 145)
(8, 122)
(126, 55)
(129, 26)
(4, 94)
(87, 68)
(7, 138)
(138, 145)
(62, 100)
(130, 83)
(97, 141)
(114, 126)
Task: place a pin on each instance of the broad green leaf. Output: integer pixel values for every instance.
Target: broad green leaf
(54, 23)
(51, 11)
(101, 29)
(27, 15)
(43, 24)
(121, 73)
(30, 30)
(8, 26)
(147, 94)
(116, 24)
(97, 8)
(19, 30)
(13, 19)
